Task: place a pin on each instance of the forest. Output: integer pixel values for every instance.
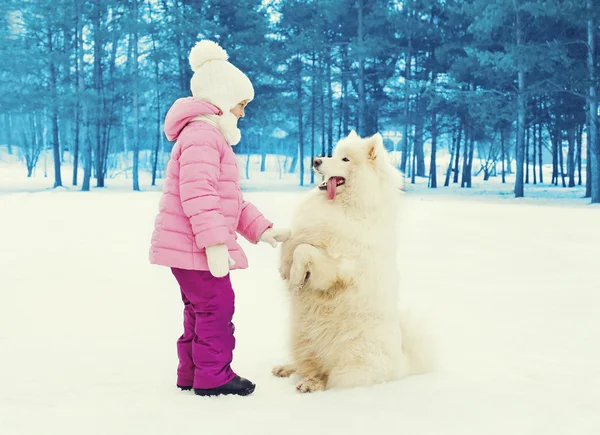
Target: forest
(510, 84)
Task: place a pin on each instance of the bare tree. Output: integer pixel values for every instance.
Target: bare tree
(592, 102)
(136, 109)
(521, 109)
(362, 109)
(54, 107)
(32, 143)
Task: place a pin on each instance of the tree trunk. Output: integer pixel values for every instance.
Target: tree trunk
(487, 172)
(293, 163)
(452, 151)
(554, 138)
(108, 110)
(521, 113)
(408, 61)
(461, 126)
(470, 167)
(300, 129)
(124, 121)
(98, 89)
(527, 139)
(361, 71)
(156, 149)
(263, 160)
(432, 161)
(540, 156)
(344, 96)
(413, 165)
(54, 113)
(418, 144)
(78, 91)
(322, 106)
(588, 173)
(31, 150)
(85, 139)
(594, 144)
(571, 155)
(533, 160)
(313, 109)
(340, 118)
(247, 169)
(503, 154)
(465, 165)
(579, 149)
(329, 106)
(8, 130)
(561, 160)
(87, 155)
(136, 109)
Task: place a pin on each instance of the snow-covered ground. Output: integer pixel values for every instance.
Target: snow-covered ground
(88, 327)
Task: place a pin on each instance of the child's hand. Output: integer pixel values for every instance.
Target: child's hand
(274, 235)
(219, 260)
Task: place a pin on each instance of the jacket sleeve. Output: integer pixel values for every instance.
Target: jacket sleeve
(252, 223)
(199, 169)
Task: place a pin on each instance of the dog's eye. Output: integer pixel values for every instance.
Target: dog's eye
(345, 159)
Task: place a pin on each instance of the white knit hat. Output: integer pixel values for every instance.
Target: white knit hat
(215, 79)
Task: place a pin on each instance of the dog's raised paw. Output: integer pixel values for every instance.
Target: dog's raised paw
(298, 276)
(310, 385)
(283, 371)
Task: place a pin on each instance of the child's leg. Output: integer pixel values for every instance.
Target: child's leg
(185, 370)
(212, 300)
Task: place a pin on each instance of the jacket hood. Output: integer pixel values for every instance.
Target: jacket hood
(183, 111)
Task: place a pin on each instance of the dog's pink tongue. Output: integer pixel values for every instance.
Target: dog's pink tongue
(331, 187)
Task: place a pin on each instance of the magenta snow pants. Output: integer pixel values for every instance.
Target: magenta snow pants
(205, 349)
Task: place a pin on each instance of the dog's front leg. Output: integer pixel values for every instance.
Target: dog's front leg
(284, 371)
(314, 264)
(286, 258)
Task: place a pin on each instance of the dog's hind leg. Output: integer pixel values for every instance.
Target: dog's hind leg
(362, 373)
(284, 371)
(367, 365)
(350, 377)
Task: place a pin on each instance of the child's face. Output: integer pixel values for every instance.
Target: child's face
(238, 110)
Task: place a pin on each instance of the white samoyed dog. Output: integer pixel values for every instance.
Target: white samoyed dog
(340, 267)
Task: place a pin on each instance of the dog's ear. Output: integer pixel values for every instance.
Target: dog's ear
(352, 135)
(374, 146)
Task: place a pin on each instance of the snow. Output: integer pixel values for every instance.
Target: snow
(509, 288)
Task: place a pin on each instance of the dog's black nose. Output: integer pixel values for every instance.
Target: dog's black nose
(317, 162)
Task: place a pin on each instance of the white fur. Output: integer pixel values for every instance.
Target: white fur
(346, 327)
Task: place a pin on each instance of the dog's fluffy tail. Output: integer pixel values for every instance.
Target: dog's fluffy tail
(417, 344)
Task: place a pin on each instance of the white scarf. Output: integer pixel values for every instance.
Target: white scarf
(227, 125)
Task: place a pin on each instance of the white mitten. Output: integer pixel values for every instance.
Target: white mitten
(274, 235)
(219, 260)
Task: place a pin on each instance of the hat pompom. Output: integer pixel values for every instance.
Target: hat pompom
(205, 51)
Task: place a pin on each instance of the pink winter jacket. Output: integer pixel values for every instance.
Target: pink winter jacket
(202, 203)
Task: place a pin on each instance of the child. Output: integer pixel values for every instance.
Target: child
(199, 213)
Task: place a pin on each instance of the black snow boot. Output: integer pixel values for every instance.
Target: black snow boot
(184, 388)
(238, 386)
